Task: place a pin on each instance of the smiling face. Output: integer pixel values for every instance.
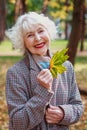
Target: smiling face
(37, 40)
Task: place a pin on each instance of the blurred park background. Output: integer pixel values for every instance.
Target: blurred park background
(70, 17)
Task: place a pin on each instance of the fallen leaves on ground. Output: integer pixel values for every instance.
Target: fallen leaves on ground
(3, 110)
(82, 124)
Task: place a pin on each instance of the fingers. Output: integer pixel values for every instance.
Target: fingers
(45, 78)
(44, 73)
(54, 114)
(54, 108)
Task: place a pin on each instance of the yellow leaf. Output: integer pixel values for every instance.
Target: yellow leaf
(56, 62)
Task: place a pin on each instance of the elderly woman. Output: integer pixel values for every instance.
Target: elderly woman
(36, 100)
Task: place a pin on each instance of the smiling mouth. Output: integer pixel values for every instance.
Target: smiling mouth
(40, 45)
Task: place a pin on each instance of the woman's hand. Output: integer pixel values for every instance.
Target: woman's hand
(54, 114)
(45, 78)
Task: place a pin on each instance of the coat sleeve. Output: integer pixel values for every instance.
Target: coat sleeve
(74, 109)
(24, 113)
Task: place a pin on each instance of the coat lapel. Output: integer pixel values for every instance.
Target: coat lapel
(33, 72)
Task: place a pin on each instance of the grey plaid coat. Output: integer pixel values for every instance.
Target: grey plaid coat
(27, 100)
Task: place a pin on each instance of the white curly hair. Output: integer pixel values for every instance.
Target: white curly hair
(24, 23)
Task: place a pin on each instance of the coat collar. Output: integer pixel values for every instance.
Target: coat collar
(30, 61)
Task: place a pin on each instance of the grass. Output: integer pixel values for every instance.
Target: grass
(6, 48)
(13, 59)
(80, 63)
(58, 45)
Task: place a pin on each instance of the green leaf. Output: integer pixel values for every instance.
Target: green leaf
(56, 62)
(54, 72)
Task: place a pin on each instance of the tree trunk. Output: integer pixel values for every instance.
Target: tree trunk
(83, 31)
(66, 22)
(76, 29)
(45, 7)
(20, 8)
(66, 32)
(2, 19)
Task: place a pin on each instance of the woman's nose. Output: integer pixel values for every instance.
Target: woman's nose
(37, 37)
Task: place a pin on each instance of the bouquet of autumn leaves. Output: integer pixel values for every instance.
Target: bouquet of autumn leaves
(56, 63)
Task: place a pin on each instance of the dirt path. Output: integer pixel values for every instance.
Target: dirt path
(83, 53)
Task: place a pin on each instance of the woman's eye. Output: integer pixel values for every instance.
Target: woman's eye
(40, 31)
(29, 35)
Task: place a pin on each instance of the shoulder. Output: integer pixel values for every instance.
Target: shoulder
(68, 64)
(69, 68)
(19, 67)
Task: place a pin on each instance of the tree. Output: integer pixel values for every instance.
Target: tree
(83, 30)
(35, 5)
(67, 4)
(76, 29)
(20, 8)
(2, 18)
(45, 6)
